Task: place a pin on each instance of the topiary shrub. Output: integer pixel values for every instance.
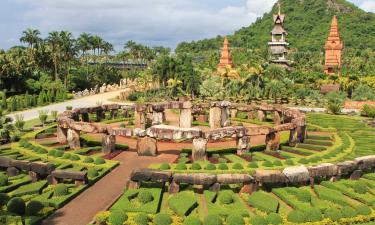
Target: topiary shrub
(3, 180)
(216, 156)
(210, 166)
(296, 216)
(16, 205)
(303, 196)
(212, 220)
(4, 198)
(141, 219)
(88, 160)
(33, 208)
(360, 187)
(165, 166)
(303, 161)
(52, 152)
(192, 220)
(235, 219)
(60, 190)
(267, 164)
(195, 166)
(253, 165)
(333, 213)
(162, 219)
(277, 163)
(222, 160)
(183, 160)
(181, 166)
(289, 162)
(99, 161)
(258, 220)
(145, 196)
(42, 151)
(117, 218)
(363, 210)
(75, 158)
(237, 166)
(348, 212)
(222, 166)
(225, 198)
(59, 154)
(274, 219)
(66, 156)
(313, 215)
(92, 172)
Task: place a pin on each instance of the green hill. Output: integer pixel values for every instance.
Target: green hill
(307, 22)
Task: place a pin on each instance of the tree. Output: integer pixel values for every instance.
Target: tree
(43, 115)
(275, 88)
(20, 122)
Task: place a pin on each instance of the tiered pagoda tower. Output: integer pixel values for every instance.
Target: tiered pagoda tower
(278, 45)
(333, 48)
(226, 58)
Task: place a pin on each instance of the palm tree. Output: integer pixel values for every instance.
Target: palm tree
(84, 45)
(54, 41)
(31, 37)
(68, 52)
(275, 88)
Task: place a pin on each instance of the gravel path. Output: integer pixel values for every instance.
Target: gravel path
(82, 209)
(61, 107)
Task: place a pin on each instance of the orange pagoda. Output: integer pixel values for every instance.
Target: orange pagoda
(333, 48)
(226, 58)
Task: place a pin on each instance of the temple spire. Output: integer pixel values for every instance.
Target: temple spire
(333, 49)
(226, 58)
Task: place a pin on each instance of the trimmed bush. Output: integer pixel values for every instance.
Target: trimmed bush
(210, 166)
(348, 212)
(145, 196)
(289, 162)
(313, 215)
(296, 216)
(225, 198)
(92, 172)
(75, 158)
(162, 219)
(360, 187)
(235, 219)
(264, 202)
(192, 220)
(60, 190)
(3, 180)
(16, 205)
(274, 219)
(181, 166)
(253, 165)
(222, 166)
(303, 195)
(183, 160)
(99, 161)
(52, 152)
(66, 156)
(33, 208)
(42, 151)
(117, 218)
(277, 163)
(363, 210)
(59, 154)
(164, 166)
(222, 160)
(333, 213)
(195, 166)
(267, 164)
(4, 198)
(141, 219)
(258, 220)
(237, 166)
(88, 160)
(212, 220)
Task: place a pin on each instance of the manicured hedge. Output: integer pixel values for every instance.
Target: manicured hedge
(183, 203)
(331, 195)
(264, 202)
(34, 188)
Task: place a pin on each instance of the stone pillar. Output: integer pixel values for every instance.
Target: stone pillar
(147, 146)
(215, 187)
(34, 176)
(114, 113)
(276, 118)
(199, 152)
(99, 114)
(243, 145)
(55, 181)
(140, 117)
(125, 113)
(233, 113)
(158, 118)
(249, 188)
(85, 115)
(261, 116)
(62, 135)
(272, 141)
(225, 117)
(215, 117)
(186, 117)
(174, 188)
(293, 140)
(108, 143)
(250, 115)
(73, 139)
(301, 133)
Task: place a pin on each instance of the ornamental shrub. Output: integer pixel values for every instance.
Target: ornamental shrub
(333, 213)
(348, 212)
(222, 160)
(210, 166)
(75, 158)
(296, 216)
(162, 219)
(289, 162)
(164, 166)
(212, 220)
(145, 196)
(303, 161)
(92, 172)
(225, 198)
(33, 208)
(192, 220)
(99, 161)
(3, 180)
(16, 205)
(237, 166)
(360, 187)
(274, 219)
(183, 160)
(363, 210)
(267, 164)
(181, 166)
(235, 219)
(303, 196)
(59, 154)
(4, 198)
(117, 218)
(195, 166)
(66, 156)
(88, 160)
(60, 190)
(253, 165)
(313, 215)
(52, 152)
(42, 151)
(222, 166)
(141, 219)
(216, 156)
(277, 163)
(258, 220)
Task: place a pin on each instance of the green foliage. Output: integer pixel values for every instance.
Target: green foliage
(165, 166)
(181, 166)
(212, 220)
(74, 157)
(237, 166)
(368, 111)
(313, 215)
(363, 92)
(363, 210)
(192, 220)
(274, 219)
(225, 197)
(3, 180)
(4, 198)
(145, 196)
(141, 219)
(117, 218)
(88, 160)
(33, 208)
(333, 213)
(60, 190)
(235, 219)
(264, 202)
(162, 219)
(360, 187)
(335, 101)
(92, 173)
(296, 216)
(253, 165)
(196, 166)
(183, 203)
(258, 220)
(66, 156)
(222, 166)
(210, 166)
(348, 212)
(33, 188)
(16, 205)
(99, 161)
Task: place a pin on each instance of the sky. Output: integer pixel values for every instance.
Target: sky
(151, 22)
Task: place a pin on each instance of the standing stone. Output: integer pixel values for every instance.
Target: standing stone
(85, 115)
(356, 175)
(233, 113)
(199, 149)
(293, 140)
(34, 176)
(272, 141)
(140, 117)
(114, 113)
(73, 139)
(276, 118)
(249, 188)
(301, 133)
(108, 144)
(215, 187)
(185, 118)
(250, 115)
(215, 117)
(158, 118)
(225, 117)
(261, 116)
(174, 188)
(99, 114)
(62, 135)
(243, 145)
(147, 146)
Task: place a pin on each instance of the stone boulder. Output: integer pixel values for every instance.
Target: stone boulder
(199, 152)
(347, 167)
(42, 169)
(144, 175)
(195, 178)
(297, 174)
(366, 162)
(5, 162)
(147, 146)
(234, 179)
(21, 164)
(323, 170)
(69, 174)
(270, 177)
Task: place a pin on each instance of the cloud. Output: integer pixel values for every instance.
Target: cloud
(368, 6)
